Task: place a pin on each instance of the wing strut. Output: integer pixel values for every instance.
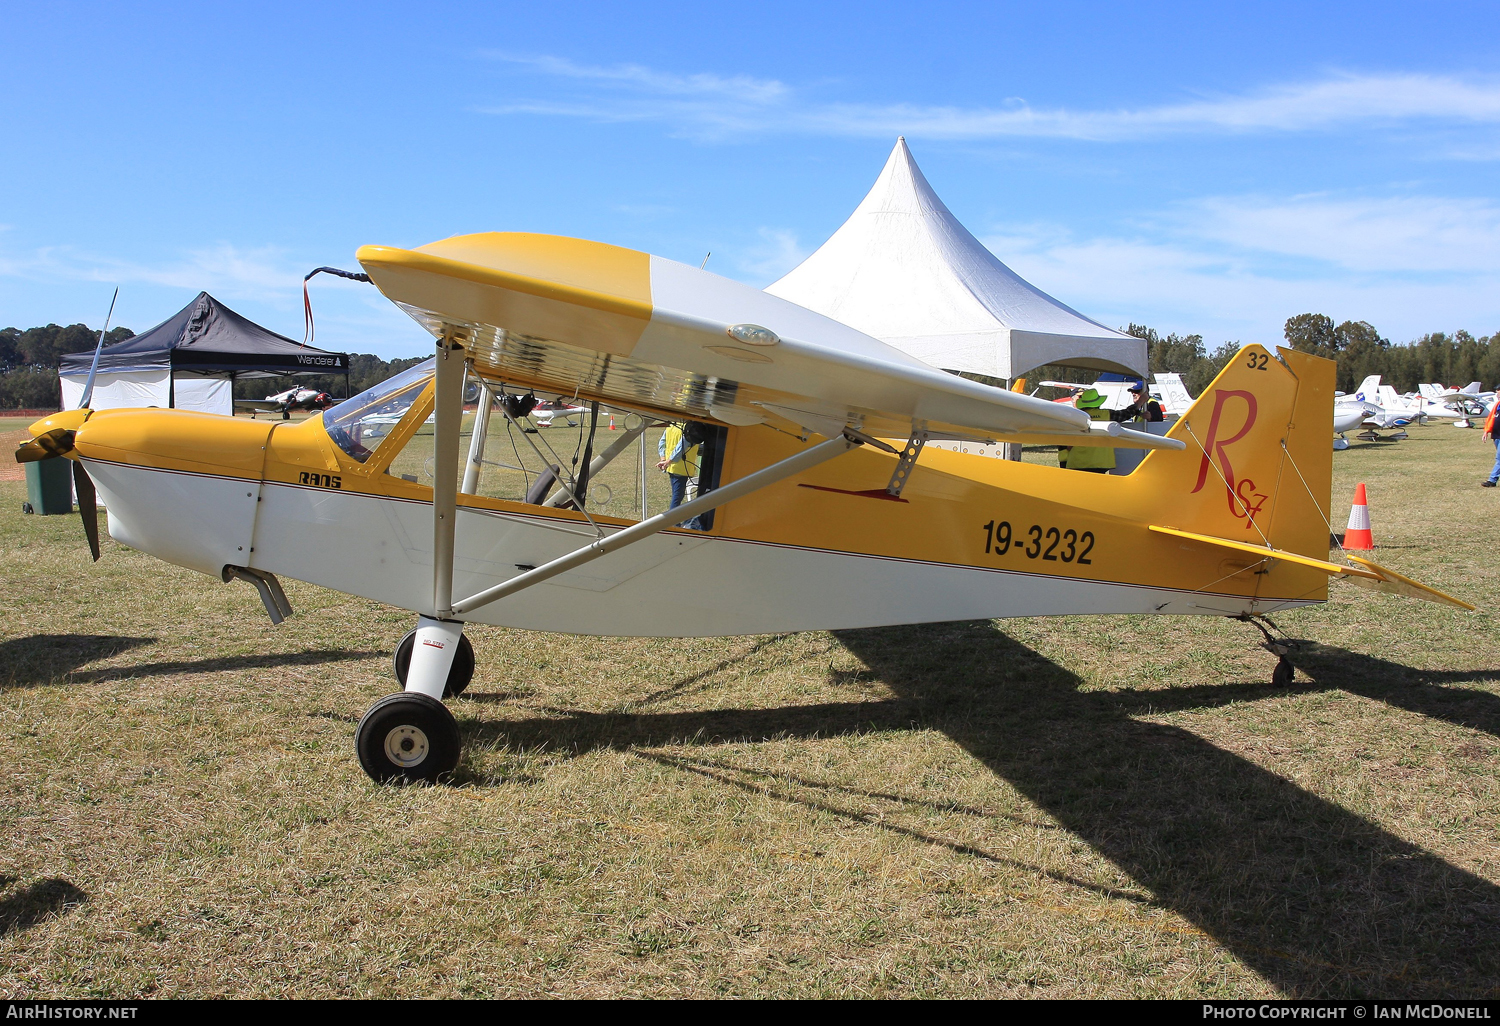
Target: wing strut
(448, 420)
(820, 453)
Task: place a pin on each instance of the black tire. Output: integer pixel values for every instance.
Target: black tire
(459, 674)
(27, 508)
(1282, 676)
(407, 739)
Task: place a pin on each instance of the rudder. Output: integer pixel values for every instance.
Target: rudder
(1258, 465)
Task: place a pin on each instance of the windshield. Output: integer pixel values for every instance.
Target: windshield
(359, 424)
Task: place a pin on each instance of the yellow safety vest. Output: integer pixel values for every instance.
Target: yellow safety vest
(1088, 457)
(688, 465)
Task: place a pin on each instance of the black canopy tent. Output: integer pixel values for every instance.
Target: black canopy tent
(191, 361)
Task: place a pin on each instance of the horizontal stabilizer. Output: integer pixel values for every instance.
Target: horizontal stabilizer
(1336, 569)
(1368, 574)
(1397, 584)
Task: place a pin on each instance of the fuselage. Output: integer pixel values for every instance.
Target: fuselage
(968, 538)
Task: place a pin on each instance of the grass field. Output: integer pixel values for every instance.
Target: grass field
(1113, 806)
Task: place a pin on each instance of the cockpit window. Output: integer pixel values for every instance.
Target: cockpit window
(358, 425)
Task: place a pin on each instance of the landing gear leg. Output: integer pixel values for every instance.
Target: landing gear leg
(411, 737)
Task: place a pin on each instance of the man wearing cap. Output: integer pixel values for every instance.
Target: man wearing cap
(1142, 407)
(1093, 459)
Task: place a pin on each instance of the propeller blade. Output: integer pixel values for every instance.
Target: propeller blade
(88, 387)
(46, 445)
(88, 506)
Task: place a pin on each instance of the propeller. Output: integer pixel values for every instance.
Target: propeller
(88, 507)
(60, 441)
(57, 442)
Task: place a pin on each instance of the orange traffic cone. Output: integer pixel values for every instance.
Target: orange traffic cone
(1357, 535)
(611, 421)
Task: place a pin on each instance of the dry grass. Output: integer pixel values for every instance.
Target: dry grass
(1065, 807)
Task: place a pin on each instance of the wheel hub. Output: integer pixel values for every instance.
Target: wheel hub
(406, 746)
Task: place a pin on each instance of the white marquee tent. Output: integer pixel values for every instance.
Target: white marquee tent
(904, 270)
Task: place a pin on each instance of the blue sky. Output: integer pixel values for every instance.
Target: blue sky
(1196, 167)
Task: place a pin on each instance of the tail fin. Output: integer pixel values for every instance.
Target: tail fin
(1430, 391)
(1174, 394)
(1259, 460)
(1368, 389)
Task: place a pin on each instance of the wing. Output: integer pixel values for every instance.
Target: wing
(613, 324)
(259, 405)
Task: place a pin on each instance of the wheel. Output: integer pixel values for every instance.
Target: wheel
(459, 674)
(1282, 676)
(407, 738)
(27, 508)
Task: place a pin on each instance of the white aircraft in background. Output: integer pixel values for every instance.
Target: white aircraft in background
(1361, 408)
(1349, 413)
(1116, 393)
(1417, 407)
(547, 411)
(284, 403)
(1172, 394)
(1469, 401)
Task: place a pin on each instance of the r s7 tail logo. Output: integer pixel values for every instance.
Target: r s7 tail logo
(1244, 501)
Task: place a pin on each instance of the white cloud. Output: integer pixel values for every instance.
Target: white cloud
(741, 88)
(716, 106)
(228, 271)
(1398, 234)
(1192, 285)
(777, 252)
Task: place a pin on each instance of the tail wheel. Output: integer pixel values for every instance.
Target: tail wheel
(1284, 674)
(459, 674)
(407, 738)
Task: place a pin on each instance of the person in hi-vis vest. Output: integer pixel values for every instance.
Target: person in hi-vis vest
(1094, 459)
(679, 460)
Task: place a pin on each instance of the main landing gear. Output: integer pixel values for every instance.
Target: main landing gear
(411, 737)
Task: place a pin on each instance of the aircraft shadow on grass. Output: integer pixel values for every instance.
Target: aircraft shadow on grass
(1314, 898)
(43, 659)
(36, 903)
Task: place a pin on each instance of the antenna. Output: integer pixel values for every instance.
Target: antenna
(88, 386)
(705, 260)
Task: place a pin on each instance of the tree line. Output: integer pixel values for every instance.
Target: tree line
(1356, 346)
(29, 359)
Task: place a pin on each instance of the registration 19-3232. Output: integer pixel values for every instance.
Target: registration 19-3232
(1047, 543)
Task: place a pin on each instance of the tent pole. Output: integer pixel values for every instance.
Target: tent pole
(1010, 450)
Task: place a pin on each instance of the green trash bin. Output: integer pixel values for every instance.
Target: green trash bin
(49, 487)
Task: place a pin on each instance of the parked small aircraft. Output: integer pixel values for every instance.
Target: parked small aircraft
(548, 410)
(1348, 414)
(818, 505)
(285, 402)
(1462, 404)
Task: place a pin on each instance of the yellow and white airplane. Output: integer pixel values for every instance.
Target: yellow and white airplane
(817, 505)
